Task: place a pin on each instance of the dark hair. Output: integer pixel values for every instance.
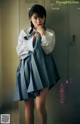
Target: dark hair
(39, 10)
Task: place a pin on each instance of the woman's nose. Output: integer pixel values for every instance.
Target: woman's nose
(38, 20)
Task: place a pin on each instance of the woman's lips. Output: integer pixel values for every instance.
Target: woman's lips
(39, 24)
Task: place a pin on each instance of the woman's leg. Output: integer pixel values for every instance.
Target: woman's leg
(40, 105)
(29, 111)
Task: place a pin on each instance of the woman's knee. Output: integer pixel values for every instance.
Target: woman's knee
(40, 107)
(41, 100)
(29, 104)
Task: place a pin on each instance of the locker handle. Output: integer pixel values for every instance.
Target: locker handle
(73, 39)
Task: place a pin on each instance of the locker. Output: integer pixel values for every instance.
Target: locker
(65, 21)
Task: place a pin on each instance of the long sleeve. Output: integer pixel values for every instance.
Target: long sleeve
(23, 46)
(48, 41)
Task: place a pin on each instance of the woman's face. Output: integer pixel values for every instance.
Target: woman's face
(36, 20)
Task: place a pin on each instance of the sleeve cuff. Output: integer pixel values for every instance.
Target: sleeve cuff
(44, 39)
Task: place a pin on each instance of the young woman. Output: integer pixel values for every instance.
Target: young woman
(37, 72)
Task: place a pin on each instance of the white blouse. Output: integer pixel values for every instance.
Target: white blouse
(24, 46)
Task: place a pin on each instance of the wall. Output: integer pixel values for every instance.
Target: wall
(10, 30)
(0, 61)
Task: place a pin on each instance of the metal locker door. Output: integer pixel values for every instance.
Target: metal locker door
(74, 59)
(57, 20)
(64, 20)
(74, 51)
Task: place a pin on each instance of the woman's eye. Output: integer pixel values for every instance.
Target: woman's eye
(35, 17)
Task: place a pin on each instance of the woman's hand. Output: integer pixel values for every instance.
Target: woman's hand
(41, 30)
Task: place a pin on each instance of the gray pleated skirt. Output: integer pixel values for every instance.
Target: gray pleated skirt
(34, 73)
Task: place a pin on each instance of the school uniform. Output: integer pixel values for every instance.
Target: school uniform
(37, 69)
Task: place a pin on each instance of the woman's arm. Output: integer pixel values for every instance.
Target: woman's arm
(23, 46)
(48, 41)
